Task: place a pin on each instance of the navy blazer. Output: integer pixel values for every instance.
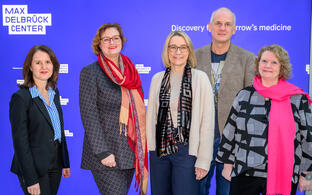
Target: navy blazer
(33, 136)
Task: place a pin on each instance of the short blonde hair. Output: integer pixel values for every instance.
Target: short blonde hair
(191, 60)
(282, 56)
(97, 38)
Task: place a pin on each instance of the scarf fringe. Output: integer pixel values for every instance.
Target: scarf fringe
(123, 129)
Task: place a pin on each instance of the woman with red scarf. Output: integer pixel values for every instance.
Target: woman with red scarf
(113, 115)
(267, 140)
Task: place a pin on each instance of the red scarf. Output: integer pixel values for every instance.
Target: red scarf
(132, 113)
(282, 129)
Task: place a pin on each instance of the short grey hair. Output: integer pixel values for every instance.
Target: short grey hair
(224, 9)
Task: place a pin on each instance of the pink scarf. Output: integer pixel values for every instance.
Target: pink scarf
(281, 136)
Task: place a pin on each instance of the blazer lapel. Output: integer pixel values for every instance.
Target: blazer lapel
(227, 69)
(59, 109)
(43, 109)
(208, 60)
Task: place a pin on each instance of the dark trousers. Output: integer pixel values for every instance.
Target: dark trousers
(113, 182)
(173, 174)
(222, 185)
(247, 185)
(49, 183)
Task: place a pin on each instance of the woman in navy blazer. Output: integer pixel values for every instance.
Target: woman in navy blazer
(40, 150)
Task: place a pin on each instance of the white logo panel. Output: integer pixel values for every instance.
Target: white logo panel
(143, 69)
(20, 22)
(68, 133)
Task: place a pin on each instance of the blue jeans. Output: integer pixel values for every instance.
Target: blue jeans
(173, 174)
(222, 185)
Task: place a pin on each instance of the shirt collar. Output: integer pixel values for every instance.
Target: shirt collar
(35, 93)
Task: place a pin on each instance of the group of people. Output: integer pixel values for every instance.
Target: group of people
(216, 108)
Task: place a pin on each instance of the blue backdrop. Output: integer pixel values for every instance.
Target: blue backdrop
(68, 27)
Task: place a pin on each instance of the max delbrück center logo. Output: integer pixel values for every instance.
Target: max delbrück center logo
(20, 22)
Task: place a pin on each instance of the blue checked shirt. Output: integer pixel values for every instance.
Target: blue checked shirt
(52, 110)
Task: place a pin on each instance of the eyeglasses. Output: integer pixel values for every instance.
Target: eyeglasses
(115, 39)
(174, 48)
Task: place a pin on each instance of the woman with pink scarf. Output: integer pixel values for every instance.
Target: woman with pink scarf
(267, 140)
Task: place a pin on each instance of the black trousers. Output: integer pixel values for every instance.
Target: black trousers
(247, 185)
(49, 183)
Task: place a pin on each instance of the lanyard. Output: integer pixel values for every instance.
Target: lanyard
(215, 78)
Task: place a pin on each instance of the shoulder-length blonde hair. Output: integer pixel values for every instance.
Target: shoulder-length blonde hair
(191, 60)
